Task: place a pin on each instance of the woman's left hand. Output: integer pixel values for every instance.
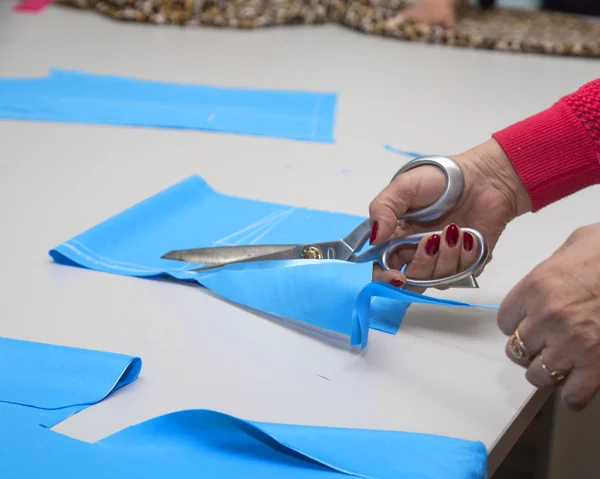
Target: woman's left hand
(555, 312)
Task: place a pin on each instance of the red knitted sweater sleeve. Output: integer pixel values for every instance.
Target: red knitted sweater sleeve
(557, 152)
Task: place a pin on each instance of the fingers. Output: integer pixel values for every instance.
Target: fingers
(436, 256)
(553, 337)
(393, 277)
(441, 256)
(580, 387)
(450, 252)
(425, 260)
(413, 189)
(541, 369)
(552, 368)
(511, 310)
(529, 340)
(468, 252)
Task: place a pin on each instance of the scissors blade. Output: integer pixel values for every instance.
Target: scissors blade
(219, 256)
(357, 239)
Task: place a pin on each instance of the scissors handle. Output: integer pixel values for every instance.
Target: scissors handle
(465, 278)
(455, 184)
(452, 194)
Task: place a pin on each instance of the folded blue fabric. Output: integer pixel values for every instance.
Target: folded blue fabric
(190, 214)
(51, 383)
(79, 97)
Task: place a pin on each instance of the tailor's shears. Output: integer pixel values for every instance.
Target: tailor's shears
(348, 249)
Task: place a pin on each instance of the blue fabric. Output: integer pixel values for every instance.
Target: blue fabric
(50, 383)
(208, 444)
(327, 294)
(78, 97)
(194, 443)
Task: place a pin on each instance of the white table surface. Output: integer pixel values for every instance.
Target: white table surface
(444, 372)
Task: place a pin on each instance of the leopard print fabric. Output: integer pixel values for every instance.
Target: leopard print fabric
(499, 29)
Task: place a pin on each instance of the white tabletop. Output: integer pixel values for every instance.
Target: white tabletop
(444, 372)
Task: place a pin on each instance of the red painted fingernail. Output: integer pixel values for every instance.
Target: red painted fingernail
(452, 235)
(373, 232)
(468, 241)
(433, 245)
(398, 283)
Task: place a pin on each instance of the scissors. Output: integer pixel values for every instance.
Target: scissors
(348, 248)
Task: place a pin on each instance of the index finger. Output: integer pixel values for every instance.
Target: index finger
(512, 308)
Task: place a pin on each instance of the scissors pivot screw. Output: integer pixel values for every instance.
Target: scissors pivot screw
(312, 252)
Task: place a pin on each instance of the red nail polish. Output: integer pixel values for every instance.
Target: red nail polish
(398, 283)
(468, 241)
(374, 232)
(452, 235)
(433, 245)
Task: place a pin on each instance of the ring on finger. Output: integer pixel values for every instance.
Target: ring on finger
(557, 376)
(517, 347)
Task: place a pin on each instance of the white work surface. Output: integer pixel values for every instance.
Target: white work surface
(445, 371)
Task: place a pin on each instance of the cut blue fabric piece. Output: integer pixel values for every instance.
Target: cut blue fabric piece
(51, 382)
(78, 97)
(208, 444)
(190, 214)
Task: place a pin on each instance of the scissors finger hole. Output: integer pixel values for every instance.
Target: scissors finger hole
(399, 259)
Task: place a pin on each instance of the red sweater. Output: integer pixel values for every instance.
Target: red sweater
(557, 152)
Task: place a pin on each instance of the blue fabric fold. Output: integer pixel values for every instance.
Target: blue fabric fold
(334, 295)
(52, 382)
(79, 97)
(209, 444)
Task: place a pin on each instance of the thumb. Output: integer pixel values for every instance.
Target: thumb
(413, 189)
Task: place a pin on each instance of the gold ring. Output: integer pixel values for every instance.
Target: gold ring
(555, 375)
(517, 347)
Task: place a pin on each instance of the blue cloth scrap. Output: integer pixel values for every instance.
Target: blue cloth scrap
(410, 154)
(334, 295)
(54, 382)
(79, 97)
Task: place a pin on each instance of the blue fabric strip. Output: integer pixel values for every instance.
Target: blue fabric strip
(334, 295)
(53, 382)
(78, 97)
(410, 154)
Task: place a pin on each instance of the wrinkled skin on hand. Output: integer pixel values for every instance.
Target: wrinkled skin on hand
(556, 309)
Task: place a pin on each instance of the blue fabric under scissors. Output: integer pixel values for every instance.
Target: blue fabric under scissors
(334, 295)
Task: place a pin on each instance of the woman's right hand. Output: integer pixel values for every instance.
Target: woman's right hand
(493, 196)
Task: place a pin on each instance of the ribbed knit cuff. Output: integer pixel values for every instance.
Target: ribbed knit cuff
(552, 153)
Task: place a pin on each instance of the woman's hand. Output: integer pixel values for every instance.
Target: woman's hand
(555, 310)
(493, 196)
